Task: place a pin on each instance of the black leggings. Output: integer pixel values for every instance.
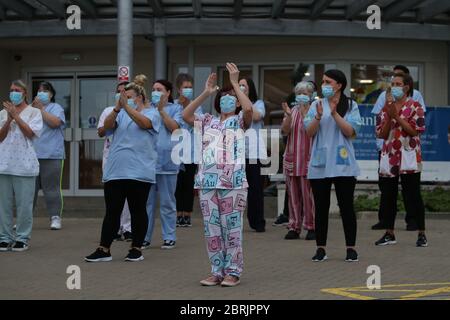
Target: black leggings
(411, 196)
(255, 197)
(184, 192)
(409, 217)
(136, 193)
(345, 188)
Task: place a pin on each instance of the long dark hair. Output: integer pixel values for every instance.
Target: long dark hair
(252, 95)
(343, 106)
(48, 87)
(169, 87)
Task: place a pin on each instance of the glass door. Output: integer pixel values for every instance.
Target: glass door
(94, 93)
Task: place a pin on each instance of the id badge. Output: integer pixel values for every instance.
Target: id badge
(342, 156)
(320, 158)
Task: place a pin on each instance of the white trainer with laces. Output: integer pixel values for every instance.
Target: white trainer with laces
(56, 223)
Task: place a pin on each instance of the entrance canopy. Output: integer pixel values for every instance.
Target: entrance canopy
(401, 19)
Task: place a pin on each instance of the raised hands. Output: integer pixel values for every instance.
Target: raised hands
(319, 108)
(163, 102)
(286, 109)
(37, 103)
(234, 73)
(333, 105)
(11, 109)
(392, 111)
(123, 100)
(389, 98)
(211, 84)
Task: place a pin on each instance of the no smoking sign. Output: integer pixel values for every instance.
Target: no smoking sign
(123, 73)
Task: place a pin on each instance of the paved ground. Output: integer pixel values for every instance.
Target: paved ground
(274, 268)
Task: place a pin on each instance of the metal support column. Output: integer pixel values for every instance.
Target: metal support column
(125, 35)
(160, 50)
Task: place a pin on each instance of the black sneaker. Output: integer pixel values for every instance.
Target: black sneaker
(352, 255)
(168, 244)
(412, 226)
(127, 236)
(118, 237)
(19, 246)
(422, 241)
(180, 221)
(260, 229)
(386, 239)
(379, 226)
(145, 245)
(311, 235)
(5, 246)
(134, 255)
(292, 235)
(99, 256)
(282, 220)
(187, 222)
(320, 256)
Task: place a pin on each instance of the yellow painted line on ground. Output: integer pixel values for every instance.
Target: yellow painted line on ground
(350, 292)
(387, 290)
(426, 293)
(340, 292)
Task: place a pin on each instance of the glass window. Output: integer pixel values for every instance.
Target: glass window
(369, 81)
(95, 95)
(91, 155)
(277, 86)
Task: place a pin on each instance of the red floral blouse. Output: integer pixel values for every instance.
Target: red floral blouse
(399, 141)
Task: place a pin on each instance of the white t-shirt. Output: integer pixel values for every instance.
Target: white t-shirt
(17, 155)
(108, 136)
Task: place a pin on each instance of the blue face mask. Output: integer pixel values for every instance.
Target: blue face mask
(227, 104)
(397, 93)
(16, 97)
(188, 93)
(327, 91)
(314, 96)
(117, 97)
(44, 97)
(156, 96)
(302, 98)
(132, 103)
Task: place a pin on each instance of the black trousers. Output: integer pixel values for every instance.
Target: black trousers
(411, 195)
(184, 193)
(345, 188)
(255, 197)
(409, 217)
(116, 192)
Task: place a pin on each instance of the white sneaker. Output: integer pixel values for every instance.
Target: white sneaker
(56, 223)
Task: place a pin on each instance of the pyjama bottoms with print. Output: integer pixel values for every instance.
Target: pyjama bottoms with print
(222, 211)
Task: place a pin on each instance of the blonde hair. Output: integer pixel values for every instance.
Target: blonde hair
(138, 85)
(21, 84)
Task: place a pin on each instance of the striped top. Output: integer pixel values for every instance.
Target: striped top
(298, 147)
